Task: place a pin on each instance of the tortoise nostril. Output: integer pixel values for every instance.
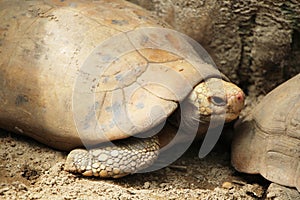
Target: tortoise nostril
(240, 97)
(218, 101)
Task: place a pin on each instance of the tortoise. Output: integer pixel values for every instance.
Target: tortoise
(267, 141)
(82, 73)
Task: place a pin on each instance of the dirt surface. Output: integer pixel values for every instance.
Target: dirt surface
(30, 170)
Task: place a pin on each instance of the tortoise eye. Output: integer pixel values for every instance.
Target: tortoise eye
(218, 101)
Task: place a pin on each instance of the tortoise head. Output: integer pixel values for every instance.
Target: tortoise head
(214, 97)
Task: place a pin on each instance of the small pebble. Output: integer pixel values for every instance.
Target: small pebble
(20, 152)
(12, 144)
(22, 186)
(146, 185)
(3, 190)
(227, 185)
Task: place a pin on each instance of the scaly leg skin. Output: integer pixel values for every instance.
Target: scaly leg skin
(125, 157)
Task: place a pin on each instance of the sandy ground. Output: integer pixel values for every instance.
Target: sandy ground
(30, 170)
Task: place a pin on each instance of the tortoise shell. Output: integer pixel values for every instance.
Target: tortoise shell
(65, 63)
(268, 140)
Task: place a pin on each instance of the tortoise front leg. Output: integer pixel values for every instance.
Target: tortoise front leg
(124, 157)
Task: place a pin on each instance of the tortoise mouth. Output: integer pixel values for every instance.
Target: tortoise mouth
(219, 118)
(214, 117)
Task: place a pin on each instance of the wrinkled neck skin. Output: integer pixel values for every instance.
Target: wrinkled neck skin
(187, 119)
(186, 123)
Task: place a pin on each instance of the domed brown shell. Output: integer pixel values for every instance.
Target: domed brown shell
(268, 140)
(49, 49)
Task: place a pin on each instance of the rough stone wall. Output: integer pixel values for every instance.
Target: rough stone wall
(254, 42)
